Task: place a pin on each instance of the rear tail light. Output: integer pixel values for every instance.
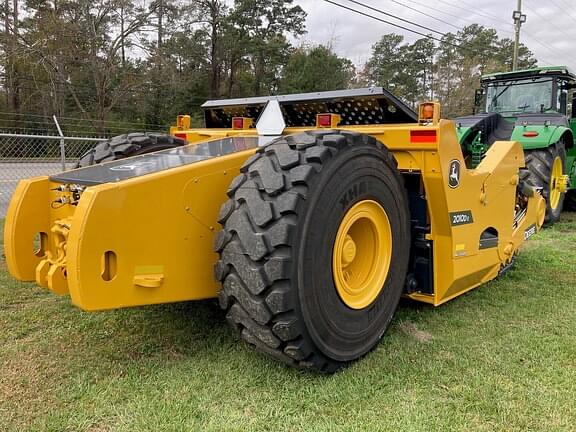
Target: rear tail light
(423, 136)
(530, 134)
(327, 120)
(241, 122)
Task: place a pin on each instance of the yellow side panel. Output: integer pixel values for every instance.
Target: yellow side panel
(488, 194)
(23, 223)
(149, 239)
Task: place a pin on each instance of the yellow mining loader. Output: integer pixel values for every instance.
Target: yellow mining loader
(307, 215)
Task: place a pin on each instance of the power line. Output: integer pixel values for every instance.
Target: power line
(398, 25)
(50, 124)
(427, 6)
(546, 46)
(564, 10)
(425, 14)
(415, 31)
(408, 21)
(387, 22)
(454, 16)
(542, 44)
(32, 79)
(471, 13)
(555, 25)
(544, 60)
(396, 17)
(49, 119)
(75, 129)
(475, 13)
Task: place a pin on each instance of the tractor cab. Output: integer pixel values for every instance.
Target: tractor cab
(539, 91)
(531, 106)
(536, 108)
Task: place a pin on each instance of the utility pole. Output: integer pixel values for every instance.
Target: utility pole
(519, 19)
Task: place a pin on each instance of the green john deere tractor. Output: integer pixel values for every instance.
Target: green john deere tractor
(535, 108)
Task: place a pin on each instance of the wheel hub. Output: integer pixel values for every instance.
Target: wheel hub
(557, 183)
(361, 254)
(348, 251)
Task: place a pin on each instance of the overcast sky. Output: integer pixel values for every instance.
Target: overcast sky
(550, 29)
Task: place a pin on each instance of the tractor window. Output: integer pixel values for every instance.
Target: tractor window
(562, 102)
(565, 97)
(521, 96)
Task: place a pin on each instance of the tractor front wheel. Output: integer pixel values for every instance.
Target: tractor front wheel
(314, 248)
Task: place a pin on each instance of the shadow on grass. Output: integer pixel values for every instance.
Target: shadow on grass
(197, 332)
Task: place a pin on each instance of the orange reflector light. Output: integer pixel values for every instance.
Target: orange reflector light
(181, 135)
(530, 134)
(423, 136)
(183, 122)
(427, 111)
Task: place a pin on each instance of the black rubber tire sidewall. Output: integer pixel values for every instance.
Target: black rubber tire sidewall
(539, 164)
(340, 332)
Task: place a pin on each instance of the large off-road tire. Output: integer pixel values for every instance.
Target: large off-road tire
(293, 285)
(123, 146)
(542, 172)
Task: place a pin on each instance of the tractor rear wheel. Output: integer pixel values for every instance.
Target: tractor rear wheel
(314, 248)
(127, 145)
(545, 170)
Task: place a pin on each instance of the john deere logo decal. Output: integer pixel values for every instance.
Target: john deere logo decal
(454, 176)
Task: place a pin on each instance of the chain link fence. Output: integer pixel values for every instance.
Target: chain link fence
(24, 156)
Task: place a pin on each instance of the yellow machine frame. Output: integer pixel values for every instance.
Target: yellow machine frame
(149, 239)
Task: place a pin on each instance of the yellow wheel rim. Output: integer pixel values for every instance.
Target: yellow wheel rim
(362, 253)
(556, 183)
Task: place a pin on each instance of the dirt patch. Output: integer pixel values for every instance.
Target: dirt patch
(411, 330)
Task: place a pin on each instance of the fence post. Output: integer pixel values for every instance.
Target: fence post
(62, 144)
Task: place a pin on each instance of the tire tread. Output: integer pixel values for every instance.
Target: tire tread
(126, 145)
(537, 173)
(255, 291)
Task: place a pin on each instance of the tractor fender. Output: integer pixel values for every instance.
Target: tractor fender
(463, 133)
(564, 134)
(546, 136)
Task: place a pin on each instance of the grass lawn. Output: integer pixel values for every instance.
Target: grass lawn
(502, 357)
